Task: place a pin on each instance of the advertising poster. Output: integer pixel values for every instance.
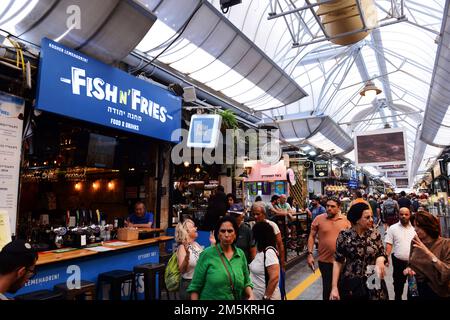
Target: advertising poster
(402, 183)
(10, 151)
(379, 147)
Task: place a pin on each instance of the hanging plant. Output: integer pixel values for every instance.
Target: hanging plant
(229, 120)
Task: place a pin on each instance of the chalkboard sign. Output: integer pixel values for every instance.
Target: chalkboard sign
(321, 169)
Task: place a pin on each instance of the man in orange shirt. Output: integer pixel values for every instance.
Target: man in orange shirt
(327, 227)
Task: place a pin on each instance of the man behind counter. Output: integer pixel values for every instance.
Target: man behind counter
(140, 218)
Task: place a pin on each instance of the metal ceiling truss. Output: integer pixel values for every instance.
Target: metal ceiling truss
(297, 24)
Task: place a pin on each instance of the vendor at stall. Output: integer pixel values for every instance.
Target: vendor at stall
(140, 218)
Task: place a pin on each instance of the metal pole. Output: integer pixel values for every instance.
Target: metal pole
(364, 120)
(309, 6)
(350, 33)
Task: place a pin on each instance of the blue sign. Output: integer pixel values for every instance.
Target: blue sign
(353, 184)
(204, 131)
(75, 85)
(88, 268)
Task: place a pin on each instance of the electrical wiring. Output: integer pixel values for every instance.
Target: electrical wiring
(174, 40)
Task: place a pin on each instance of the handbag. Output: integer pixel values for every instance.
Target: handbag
(233, 291)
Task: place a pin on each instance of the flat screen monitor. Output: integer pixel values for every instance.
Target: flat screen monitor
(204, 131)
(101, 151)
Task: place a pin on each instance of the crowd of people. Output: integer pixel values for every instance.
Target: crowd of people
(245, 259)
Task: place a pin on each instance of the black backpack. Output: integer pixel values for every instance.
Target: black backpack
(389, 208)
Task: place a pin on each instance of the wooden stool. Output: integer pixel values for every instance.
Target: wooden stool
(116, 278)
(87, 289)
(150, 271)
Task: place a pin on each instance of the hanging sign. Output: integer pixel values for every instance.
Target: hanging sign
(321, 169)
(75, 85)
(11, 113)
(291, 176)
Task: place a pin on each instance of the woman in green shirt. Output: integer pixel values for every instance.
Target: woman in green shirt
(221, 272)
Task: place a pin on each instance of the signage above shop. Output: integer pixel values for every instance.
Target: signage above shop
(353, 184)
(261, 171)
(437, 170)
(77, 86)
(321, 169)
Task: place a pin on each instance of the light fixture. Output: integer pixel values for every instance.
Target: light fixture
(197, 169)
(370, 90)
(111, 185)
(95, 185)
(78, 186)
(186, 164)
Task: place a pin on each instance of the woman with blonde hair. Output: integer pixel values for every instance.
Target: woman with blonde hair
(188, 252)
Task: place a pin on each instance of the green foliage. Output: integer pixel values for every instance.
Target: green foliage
(229, 120)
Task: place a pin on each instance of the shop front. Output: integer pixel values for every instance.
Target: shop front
(95, 146)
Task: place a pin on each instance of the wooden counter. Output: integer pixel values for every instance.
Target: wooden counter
(52, 257)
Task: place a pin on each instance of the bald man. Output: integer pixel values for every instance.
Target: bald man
(398, 242)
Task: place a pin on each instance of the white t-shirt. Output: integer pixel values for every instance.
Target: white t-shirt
(258, 277)
(400, 238)
(194, 254)
(276, 230)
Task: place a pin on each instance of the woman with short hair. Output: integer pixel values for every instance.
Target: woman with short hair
(356, 249)
(429, 259)
(222, 272)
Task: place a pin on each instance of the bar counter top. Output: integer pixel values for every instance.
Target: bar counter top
(48, 257)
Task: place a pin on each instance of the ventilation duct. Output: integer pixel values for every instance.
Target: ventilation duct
(108, 30)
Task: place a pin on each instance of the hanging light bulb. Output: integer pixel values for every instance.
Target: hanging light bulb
(370, 91)
(186, 164)
(197, 169)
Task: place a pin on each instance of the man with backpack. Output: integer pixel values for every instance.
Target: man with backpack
(390, 211)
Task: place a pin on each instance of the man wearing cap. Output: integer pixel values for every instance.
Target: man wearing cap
(245, 236)
(17, 266)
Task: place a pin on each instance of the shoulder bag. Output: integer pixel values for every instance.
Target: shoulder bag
(233, 291)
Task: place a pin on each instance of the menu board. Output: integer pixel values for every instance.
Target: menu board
(5, 229)
(11, 109)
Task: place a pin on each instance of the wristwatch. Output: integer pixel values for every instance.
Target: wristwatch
(434, 259)
(266, 297)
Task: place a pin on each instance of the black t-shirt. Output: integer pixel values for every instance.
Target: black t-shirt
(404, 202)
(245, 240)
(178, 197)
(374, 206)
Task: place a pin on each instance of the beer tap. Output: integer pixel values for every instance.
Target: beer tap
(60, 232)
